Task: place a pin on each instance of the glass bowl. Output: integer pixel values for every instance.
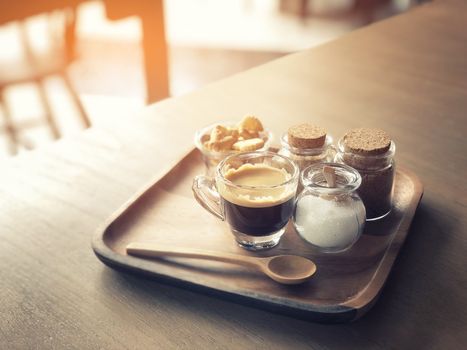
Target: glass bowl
(212, 158)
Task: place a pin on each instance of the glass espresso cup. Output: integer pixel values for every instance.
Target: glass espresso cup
(254, 193)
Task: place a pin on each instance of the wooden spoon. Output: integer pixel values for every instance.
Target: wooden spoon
(285, 269)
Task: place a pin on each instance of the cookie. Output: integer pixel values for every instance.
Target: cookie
(251, 124)
(224, 144)
(248, 145)
(218, 133)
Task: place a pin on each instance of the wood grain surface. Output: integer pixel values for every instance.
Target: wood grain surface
(407, 75)
(345, 286)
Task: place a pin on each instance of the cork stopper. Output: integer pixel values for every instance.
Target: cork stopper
(367, 141)
(306, 136)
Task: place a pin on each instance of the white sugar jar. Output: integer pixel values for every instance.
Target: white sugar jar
(330, 218)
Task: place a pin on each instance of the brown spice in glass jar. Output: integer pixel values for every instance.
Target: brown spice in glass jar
(369, 151)
(376, 191)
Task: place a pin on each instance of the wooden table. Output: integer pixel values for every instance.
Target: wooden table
(407, 75)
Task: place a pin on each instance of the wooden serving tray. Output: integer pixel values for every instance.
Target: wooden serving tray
(345, 286)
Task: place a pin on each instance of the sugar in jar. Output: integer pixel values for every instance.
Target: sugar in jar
(331, 217)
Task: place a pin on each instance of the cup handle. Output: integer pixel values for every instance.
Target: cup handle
(204, 190)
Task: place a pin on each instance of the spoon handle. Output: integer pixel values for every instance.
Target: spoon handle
(153, 250)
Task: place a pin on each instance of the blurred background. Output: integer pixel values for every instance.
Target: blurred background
(69, 64)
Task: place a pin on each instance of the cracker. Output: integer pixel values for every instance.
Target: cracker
(224, 144)
(248, 145)
(245, 134)
(251, 124)
(222, 138)
(218, 132)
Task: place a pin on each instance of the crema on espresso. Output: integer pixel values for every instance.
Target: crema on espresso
(256, 199)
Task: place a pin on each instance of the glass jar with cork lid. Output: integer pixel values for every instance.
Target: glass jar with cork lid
(307, 144)
(371, 152)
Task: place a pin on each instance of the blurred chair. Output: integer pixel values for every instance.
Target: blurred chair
(151, 14)
(36, 68)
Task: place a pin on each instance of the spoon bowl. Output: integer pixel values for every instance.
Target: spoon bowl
(285, 269)
(290, 269)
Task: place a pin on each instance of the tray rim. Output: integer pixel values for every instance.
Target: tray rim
(343, 312)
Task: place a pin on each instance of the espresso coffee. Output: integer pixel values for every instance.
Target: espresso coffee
(257, 204)
(256, 221)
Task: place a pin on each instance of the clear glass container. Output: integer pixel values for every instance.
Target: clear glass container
(257, 211)
(377, 172)
(304, 157)
(330, 218)
(211, 158)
